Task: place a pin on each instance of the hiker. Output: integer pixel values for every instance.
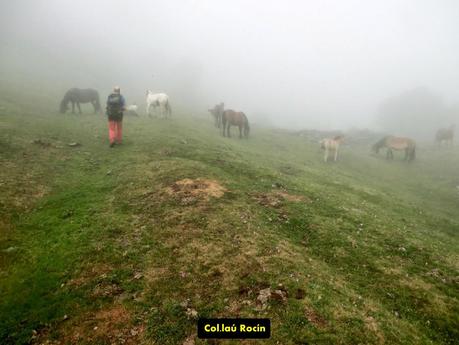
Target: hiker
(115, 108)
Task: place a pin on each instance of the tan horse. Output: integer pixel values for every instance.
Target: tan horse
(445, 135)
(331, 144)
(399, 144)
(233, 118)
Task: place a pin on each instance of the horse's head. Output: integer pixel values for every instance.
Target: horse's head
(339, 138)
(147, 92)
(63, 107)
(246, 131)
(246, 126)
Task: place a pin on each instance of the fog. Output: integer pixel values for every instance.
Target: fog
(294, 64)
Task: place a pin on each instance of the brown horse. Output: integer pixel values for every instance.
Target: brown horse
(399, 144)
(445, 135)
(233, 118)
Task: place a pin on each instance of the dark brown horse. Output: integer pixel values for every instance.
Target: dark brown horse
(217, 113)
(77, 96)
(399, 144)
(233, 118)
(445, 135)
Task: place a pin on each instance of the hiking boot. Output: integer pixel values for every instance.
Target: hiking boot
(112, 144)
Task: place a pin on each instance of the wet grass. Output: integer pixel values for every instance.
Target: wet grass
(372, 244)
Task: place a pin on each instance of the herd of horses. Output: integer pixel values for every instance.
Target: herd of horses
(225, 118)
(444, 136)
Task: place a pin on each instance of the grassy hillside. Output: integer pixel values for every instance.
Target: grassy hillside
(130, 244)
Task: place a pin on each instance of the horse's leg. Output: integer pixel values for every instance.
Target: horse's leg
(240, 131)
(78, 105)
(149, 110)
(73, 107)
(326, 155)
(336, 154)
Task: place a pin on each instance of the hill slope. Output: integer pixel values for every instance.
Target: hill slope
(126, 245)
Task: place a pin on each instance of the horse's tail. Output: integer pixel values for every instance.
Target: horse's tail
(168, 108)
(97, 100)
(246, 125)
(224, 120)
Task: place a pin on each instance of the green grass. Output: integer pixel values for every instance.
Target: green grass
(91, 233)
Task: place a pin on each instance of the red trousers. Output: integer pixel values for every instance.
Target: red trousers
(115, 131)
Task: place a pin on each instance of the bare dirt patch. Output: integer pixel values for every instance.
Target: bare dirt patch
(372, 326)
(277, 198)
(112, 325)
(189, 191)
(97, 271)
(314, 318)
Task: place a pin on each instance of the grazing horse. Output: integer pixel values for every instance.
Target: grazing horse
(160, 100)
(80, 96)
(132, 110)
(233, 118)
(217, 113)
(445, 135)
(399, 144)
(331, 144)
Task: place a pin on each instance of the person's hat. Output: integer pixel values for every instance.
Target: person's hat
(116, 89)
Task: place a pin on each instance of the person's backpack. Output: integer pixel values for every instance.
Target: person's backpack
(114, 104)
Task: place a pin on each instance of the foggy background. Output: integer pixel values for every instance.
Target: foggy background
(390, 65)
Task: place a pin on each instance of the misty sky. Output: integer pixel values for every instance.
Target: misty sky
(327, 64)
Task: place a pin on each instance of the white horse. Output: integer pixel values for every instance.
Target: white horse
(331, 144)
(160, 100)
(132, 109)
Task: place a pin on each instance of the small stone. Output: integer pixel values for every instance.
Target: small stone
(9, 249)
(263, 296)
(191, 313)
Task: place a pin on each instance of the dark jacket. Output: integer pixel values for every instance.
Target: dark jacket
(115, 106)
